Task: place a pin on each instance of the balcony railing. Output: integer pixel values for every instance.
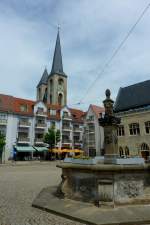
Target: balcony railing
(77, 142)
(91, 120)
(65, 127)
(3, 121)
(66, 117)
(38, 140)
(24, 124)
(40, 125)
(66, 141)
(77, 129)
(91, 130)
(41, 113)
(91, 143)
(23, 139)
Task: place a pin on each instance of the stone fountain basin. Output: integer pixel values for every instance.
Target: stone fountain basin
(106, 184)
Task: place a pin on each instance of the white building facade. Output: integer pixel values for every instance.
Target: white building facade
(93, 138)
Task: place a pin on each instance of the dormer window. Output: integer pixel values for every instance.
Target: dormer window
(23, 108)
(40, 109)
(52, 112)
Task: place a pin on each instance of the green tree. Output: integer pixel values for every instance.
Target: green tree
(2, 144)
(52, 137)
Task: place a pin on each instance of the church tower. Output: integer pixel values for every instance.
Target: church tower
(42, 87)
(57, 80)
(52, 88)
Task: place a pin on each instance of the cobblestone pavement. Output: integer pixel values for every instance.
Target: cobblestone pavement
(19, 185)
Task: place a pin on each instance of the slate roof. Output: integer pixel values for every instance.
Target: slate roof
(57, 65)
(133, 96)
(44, 78)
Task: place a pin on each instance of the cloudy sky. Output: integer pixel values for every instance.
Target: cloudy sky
(90, 32)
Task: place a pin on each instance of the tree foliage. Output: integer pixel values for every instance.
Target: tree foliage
(2, 142)
(52, 137)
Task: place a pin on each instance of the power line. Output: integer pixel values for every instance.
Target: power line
(115, 53)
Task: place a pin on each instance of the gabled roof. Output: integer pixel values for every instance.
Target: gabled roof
(97, 110)
(77, 115)
(133, 96)
(44, 78)
(57, 65)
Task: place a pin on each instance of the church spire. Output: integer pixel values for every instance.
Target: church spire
(57, 66)
(44, 78)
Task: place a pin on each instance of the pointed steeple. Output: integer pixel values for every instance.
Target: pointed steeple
(57, 66)
(44, 78)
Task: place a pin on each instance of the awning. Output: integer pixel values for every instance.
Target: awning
(40, 149)
(25, 149)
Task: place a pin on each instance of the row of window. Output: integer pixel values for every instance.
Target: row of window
(134, 129)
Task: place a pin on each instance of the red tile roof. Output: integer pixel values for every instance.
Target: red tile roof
(18, 102)
(12, 104)
(97, 110)
(6, 103)
(77, 115)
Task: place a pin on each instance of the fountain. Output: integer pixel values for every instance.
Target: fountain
(108, 183)
(116, 181)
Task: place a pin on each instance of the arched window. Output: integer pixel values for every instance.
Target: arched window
(60, 99)
(60, 81)
(39, 93)
(50, 97)
(144, 146)
(127, 152)
(51, 85)
(45, 96)
(145, 152)
(121, 153)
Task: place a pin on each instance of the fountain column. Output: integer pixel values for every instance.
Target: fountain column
(110, 124)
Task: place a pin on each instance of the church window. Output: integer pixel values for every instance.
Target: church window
(51, 85)
(39, 93)
(134, 129)
(60, 81)
(120, 131)
(51, 99)
(147, 127)
(60, 99)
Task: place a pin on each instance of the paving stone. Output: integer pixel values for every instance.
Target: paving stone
(19, 185)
